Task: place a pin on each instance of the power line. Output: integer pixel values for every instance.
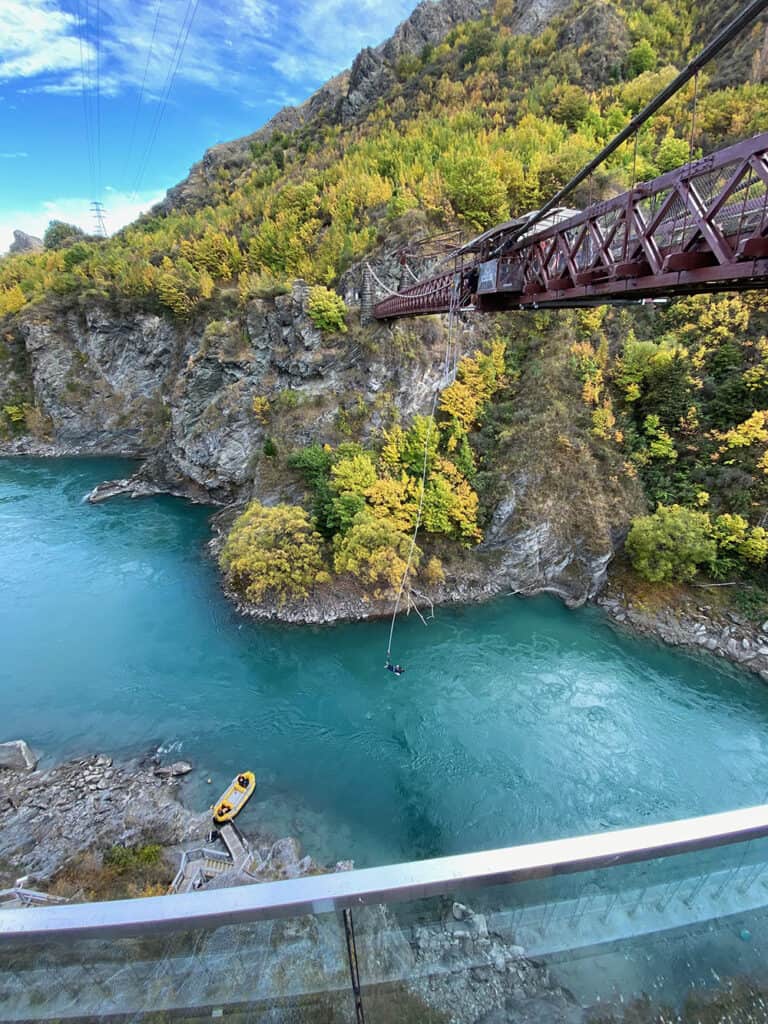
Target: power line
(141, 91)
(98, 98)
(83, 41)
(178, 53)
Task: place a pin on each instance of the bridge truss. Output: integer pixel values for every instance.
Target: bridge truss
(700, 228)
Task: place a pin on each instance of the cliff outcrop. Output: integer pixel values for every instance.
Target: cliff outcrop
(22, 242)
(187, 343)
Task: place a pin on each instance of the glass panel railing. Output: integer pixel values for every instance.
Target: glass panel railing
(287, 970)
(672, 933)
(573, 930)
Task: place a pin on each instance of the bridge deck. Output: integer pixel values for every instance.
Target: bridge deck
(700, 228)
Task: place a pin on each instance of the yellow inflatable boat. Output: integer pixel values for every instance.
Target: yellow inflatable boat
(234, 799)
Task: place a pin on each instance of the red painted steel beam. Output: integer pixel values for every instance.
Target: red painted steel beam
(702, 227)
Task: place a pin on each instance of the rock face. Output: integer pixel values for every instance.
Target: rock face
(22, 242)
(602, 38)
(205, 383)
(48, 817)
(353, 93)
(98, 376)
(17, 756)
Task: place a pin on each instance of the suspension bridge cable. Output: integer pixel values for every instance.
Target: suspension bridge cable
(141, 90)
(378, 281)
(729, 32)
(176, 57)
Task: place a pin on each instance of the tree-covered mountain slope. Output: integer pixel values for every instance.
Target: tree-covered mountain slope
(220, 337)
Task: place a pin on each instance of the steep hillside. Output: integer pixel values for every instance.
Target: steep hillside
(220, 338)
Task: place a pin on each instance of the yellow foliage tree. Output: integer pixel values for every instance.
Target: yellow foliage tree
(375, 551)
(273, 550)
(394, 499)
(11, 300)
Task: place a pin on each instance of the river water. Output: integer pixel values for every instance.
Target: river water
(515, 721)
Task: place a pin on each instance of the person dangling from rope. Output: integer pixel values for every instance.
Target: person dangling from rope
(397, 669)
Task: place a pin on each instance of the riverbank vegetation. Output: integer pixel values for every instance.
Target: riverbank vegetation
(120, 872)
(366, 501)
(682, 394)
(486, 123)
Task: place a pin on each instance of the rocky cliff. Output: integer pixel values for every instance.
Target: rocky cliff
(213, 403)
(22, 242)
(352, 94)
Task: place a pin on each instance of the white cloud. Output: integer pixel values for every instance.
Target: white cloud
(228, 46)
(38, 37)
(316, 39)
(121, 209)
(13, 156)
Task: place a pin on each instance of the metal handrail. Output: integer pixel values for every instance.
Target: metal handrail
(199, 853)
(29, 896)
(394, 882)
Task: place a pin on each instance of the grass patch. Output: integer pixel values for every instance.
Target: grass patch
(121, 872)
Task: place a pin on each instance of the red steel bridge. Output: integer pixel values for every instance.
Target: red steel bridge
(700, 228)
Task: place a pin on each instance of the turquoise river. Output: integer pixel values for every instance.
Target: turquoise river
(517, 720)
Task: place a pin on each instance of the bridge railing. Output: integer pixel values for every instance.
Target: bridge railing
(403, 936)
(699, 220)
(701, 227)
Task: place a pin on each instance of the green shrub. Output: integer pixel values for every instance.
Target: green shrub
(58, 233)
(78, 253)
(642, 57)
(327, 309)
(128, 858)
(671, 545)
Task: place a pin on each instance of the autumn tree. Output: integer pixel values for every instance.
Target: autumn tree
(273, 551)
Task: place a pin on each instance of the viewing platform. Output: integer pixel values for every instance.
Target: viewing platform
(667, 912)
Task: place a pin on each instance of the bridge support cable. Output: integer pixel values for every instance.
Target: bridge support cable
(721, 40)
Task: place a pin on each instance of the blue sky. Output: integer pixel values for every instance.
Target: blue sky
(82, 83)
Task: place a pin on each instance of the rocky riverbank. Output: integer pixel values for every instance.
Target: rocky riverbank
(56, 819)
(699, 619)
(50, 817)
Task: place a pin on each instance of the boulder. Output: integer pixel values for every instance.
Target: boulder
(17, 756)
(168, 771)
(461, 912)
